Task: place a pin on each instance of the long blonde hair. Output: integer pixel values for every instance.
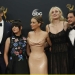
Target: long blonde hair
(61, 17)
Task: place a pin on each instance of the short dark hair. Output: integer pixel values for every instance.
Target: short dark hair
(71, 11)
(1, 10)
(17, 23)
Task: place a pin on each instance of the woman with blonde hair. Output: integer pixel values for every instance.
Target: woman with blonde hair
(57, 33)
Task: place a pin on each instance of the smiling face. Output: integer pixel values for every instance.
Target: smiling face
(16, 26)
(55, 13)
(71, 18)
(34, 24)
(16, 29)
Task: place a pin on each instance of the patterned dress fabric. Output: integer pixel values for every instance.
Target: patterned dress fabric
(17, 56)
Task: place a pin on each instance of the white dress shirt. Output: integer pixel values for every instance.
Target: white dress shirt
(1, 30)
(72, 36)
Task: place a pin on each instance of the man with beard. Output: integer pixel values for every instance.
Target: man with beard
(71, 40)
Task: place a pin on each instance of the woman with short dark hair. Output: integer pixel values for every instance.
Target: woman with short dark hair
(15, 46)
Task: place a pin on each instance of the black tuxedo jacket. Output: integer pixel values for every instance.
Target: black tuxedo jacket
(68, 39)
(7, 33)
(71, 48)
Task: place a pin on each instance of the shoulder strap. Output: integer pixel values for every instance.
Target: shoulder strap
(64, 27)
(49, 27)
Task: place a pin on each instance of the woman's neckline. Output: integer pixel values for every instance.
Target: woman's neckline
(56, 33)
(18, 36)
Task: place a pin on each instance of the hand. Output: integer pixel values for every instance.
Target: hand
(50, 49)
(6, 64)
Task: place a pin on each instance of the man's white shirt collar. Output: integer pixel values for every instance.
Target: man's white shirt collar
(1, 30)
(72, 36)
(2, 22)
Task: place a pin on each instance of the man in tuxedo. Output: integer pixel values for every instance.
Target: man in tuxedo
(5, 32)
(71, 40)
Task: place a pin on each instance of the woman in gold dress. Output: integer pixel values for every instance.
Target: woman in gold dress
(36, 42)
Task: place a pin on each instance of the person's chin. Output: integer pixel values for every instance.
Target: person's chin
(15, 32)
(72, 23)
(55, 18)
(32, 28)
(69, 23)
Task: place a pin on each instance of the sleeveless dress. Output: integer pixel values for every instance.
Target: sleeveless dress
(17, 61)
(37, 58)
(59, 53)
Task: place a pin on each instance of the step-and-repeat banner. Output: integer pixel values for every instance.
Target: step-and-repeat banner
(25, 9)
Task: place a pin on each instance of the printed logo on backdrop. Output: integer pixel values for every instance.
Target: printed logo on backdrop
(36, 12)
(70, 7)
(5, 10)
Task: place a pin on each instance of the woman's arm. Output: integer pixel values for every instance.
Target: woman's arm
(48, 40)
(28, 46)
(28, 49)
(47, 28)
(66, 25)
(7, 44)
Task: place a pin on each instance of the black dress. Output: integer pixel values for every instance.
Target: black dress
(59, 54)
(17, 61)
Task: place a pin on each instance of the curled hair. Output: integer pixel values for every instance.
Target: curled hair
(61, 17)
(39, 19)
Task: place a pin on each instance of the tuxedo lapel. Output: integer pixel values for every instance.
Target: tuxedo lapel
(4, 32)
(71, 35)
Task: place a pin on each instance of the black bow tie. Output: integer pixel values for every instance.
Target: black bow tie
(0, 24)
(72, 27)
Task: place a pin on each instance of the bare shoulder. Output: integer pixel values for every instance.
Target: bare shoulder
(48, 27)
(45, 33)
(30, 33)
(65, 23)
(8, 40)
